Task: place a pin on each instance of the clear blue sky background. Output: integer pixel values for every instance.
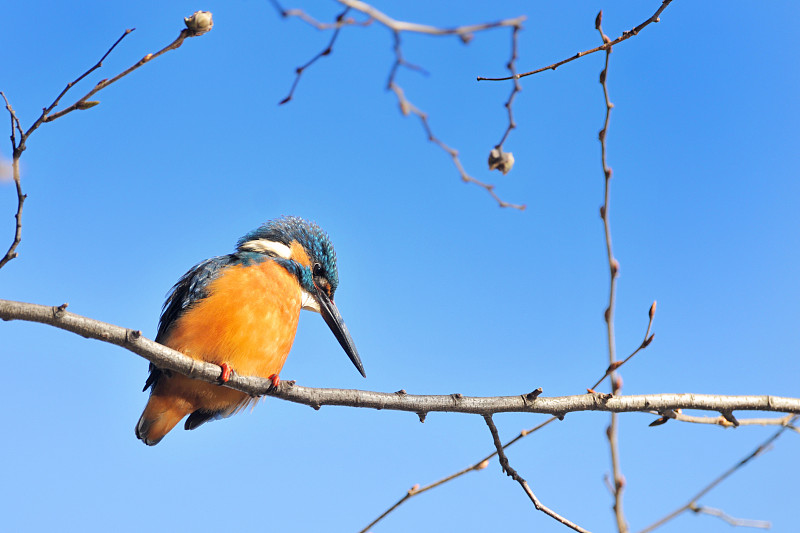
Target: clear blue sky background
(442, 291)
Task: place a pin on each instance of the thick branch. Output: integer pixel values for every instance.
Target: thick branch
(164, 357)
(400, 26)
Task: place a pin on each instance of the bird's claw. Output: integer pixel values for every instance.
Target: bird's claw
(226, 373)
(275, 382)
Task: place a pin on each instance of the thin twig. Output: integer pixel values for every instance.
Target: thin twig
(11, 253)
(758, 451)
(613, 267)
(407, 107)
(15, 125)
(513, 474)
(480, 465)
(524, 433)
(720, 420)
(648, 338)
(517, 86)
(19, 145)
(105, 83)
(311, 21)
(462, 32)
(625, 36)
(323, 53)
(396, 27)
(736, 522)
(44, 117)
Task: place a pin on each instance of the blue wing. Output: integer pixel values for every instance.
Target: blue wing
(191, 288)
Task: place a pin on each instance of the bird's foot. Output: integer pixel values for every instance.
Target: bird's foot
(226, 372)
(275, 382)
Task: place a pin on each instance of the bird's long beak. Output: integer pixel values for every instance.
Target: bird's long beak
(336, 323)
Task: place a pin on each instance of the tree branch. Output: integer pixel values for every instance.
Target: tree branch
(605, 46)
(613, 266)
(513, 474)
(397, 27)
(463, 32)
(693, 502)
(736, 522)
(163, 357)
(480, 465)
(195, 27)
(11, 253)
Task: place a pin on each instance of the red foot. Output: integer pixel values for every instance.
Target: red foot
(226, 372)
(275, 382)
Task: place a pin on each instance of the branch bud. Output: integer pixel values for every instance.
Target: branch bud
(653, 310)
(87, 104)
(598, 20)
(728, 416)
(658, 421)
(199, 23)
(648, 340)
(500, 160)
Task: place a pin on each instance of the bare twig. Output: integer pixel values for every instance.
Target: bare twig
(693, 501)
(736, 522)
(524, 433)
(721, 421)
(613, 267)
(511, 66)
(480, 465)
(464, 33)
(11, 253)
(648, 338)
(625, 36)
(325, 52)
(407, 107)
(15, 125)
(513, 474)
(396, 27)
(20, 144)
(45, 116)
(105, 83)
(311, 21)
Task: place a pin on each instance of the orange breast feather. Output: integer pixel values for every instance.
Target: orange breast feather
(248, 320)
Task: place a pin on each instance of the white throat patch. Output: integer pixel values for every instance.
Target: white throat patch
(309, 302)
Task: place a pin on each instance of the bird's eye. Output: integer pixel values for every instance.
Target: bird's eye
(317, 269)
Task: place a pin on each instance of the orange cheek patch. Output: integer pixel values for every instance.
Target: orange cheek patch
(299, 254)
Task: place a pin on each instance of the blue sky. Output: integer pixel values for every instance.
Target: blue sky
(442, 291)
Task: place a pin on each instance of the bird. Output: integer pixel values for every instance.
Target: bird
(240, 311)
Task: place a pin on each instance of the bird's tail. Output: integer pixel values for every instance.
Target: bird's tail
(159, 417)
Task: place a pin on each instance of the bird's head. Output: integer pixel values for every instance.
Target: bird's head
(306, 252)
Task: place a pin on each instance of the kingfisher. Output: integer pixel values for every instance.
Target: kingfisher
(240, 311)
